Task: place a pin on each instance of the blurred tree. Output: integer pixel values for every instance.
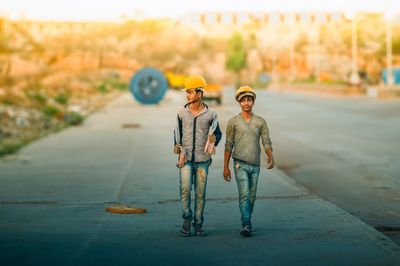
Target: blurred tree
(396, 45)
(5, 51)
(236, 60)
(253, 41)
(372, 44)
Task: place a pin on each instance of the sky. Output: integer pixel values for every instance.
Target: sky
(114, 10)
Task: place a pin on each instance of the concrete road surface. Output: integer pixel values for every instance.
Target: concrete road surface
(53, 196)
(344, 150)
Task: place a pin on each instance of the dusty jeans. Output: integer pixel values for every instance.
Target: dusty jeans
(246, 179)
(196, 174)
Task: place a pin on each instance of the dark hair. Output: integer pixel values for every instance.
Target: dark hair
(249, 96)
(197, 90)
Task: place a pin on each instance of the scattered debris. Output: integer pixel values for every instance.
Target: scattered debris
(130, 125)
(126, 210)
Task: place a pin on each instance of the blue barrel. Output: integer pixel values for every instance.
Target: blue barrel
(396, 76)
(149, 85)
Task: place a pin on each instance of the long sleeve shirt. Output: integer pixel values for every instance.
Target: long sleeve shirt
(191, 132)
(243, 138)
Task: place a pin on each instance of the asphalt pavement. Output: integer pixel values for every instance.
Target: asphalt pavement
(54, 192)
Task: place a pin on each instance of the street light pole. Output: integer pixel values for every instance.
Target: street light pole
(354, 77)
(389, 54)
(292, 58)
(316, 51)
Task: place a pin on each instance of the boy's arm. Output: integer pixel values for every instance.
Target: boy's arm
(267, 145)
(178, 148)
(270, 159)
(227, 171)
(228, 150)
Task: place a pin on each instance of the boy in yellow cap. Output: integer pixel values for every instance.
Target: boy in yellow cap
(243, 135)
(196, 133)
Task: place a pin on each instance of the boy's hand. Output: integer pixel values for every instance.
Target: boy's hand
(227, 174)
(177, 149)
(181, 160)
(270, 163)
(212, 138)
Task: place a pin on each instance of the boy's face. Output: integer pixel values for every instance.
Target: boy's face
(193, 96)
(246, 103)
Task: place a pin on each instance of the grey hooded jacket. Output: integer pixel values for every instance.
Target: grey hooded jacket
(191, 132)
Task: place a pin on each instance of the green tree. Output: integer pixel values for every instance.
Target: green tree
(236, 60)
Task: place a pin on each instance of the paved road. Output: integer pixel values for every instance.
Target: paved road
(343, 150)
(54, 192)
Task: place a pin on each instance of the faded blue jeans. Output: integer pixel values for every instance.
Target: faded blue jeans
(246, 180)
(196, 174)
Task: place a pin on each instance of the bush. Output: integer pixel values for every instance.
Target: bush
(62, 98)
(37, 97)
(50, 111)
(10, 148)
(118, 85)
(73, 118)
(103, 88)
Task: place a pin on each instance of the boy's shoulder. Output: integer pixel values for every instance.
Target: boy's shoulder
(259, 121)
(182, 110)
(259, 118)
(212, 111)
(234, 119)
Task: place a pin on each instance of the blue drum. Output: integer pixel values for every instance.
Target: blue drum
(149, 85)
